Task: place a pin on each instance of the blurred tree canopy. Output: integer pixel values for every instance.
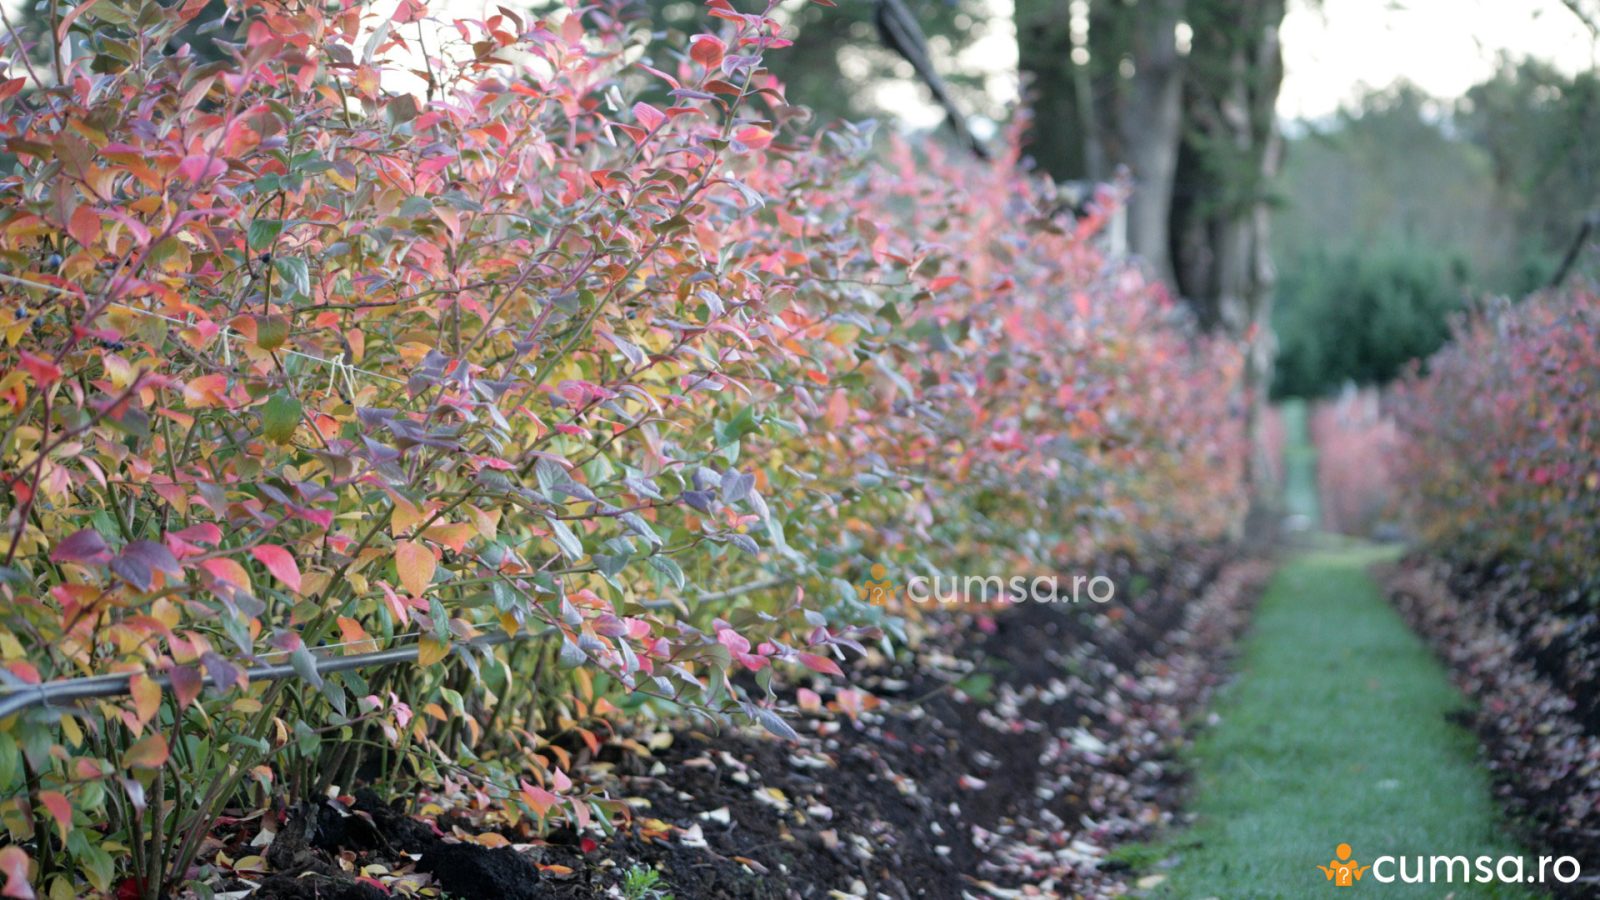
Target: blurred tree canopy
(1404, 207)
(1541, 132)
(1360, 315)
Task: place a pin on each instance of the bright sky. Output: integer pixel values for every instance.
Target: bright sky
(1334, 47)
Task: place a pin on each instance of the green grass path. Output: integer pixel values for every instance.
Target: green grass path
(1336, 730)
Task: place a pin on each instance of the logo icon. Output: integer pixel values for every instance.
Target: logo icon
(878, 590)
(1343, 871)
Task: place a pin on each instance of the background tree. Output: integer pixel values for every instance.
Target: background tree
(1183, 93)
(839, 64)
(1404, 207)
(1540, 130)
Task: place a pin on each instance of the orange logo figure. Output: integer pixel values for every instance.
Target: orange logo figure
(878, 590)
(1344, 871)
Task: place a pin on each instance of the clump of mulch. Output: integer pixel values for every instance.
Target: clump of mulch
(1004, 756)
(1531, 663)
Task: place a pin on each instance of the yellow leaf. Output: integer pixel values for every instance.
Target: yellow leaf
(430, 650)
(415, 563)
(488, 522)
(404, 516)
(146, 697)
(74, 734)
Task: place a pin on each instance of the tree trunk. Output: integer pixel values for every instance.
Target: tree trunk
(1151, 126)
(1233, 155)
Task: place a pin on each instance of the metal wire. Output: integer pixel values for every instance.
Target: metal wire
(15, 698)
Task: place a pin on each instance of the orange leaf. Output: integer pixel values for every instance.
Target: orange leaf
(149, 753)
(539, 799)
(84, 225)
(229, 570)
(207, 390)
(415, 564)
(355, 636)
(454, 536)
(754, 136)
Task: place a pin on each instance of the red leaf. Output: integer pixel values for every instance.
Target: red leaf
(14, 865)
(43, 370)
(706, 50)
(649, 116)
(821, 664)
(280, 563)
(410, 11)
(203, 533)
(60, 809)
(196, 168)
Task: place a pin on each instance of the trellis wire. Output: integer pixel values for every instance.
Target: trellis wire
(15, 698)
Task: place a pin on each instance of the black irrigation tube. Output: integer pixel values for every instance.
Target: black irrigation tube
(15, 698)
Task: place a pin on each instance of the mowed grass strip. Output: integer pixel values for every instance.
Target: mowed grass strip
(1337, 730)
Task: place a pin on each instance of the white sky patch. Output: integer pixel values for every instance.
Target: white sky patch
(1334, 49)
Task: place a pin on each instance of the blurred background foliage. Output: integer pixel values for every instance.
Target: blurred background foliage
(1404, 209)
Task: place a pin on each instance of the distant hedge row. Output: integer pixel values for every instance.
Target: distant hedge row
(1501, 462)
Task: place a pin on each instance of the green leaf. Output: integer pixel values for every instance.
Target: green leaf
(740, 425)
(295, 272)
(571, 547)
(774, 723)
(263, 232)
(280, 416)
(572, 656)
(9, 759)
(306, 739)
(668, 568)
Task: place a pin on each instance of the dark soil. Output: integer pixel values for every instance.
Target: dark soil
(1004, 756)
(1532, 671)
